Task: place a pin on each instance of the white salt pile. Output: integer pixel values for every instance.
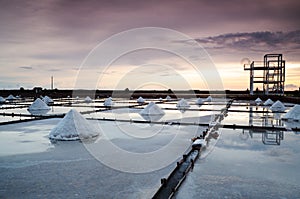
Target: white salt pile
(88, 99)
(38, 104)
(277, 106)
(47, 100)
(208, 99)
(73, 127)
(152, 109)
(199, 143)
(160, 99)
(269, 102)
(168, 98)
(293, 114)
(2, 100)
(108, 102)
(140, 100)
(38, 107)
(10, 98)
(199, 101)
(152, 112)
(258, 101)
(182, 104)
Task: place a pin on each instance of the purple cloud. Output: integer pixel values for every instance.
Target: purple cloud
(254, 41)
(291, 86)
(26, 67)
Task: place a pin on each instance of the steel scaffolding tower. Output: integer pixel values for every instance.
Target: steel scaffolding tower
(271, 73)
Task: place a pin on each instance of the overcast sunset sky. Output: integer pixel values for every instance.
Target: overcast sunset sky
(39, 39)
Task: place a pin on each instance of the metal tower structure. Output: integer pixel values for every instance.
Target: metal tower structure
(270, 73)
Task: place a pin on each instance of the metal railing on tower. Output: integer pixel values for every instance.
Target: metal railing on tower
(270, 74)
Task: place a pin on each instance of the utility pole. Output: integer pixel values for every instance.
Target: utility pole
(51, 82)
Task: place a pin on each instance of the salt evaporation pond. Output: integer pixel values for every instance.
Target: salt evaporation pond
(246, 168)
(67, 169)
(239, 166)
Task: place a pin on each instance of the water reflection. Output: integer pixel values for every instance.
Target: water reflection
(272, 137)
(152, 118)
(267, 137)
(266, 120)
(39, 111)
(292, 125)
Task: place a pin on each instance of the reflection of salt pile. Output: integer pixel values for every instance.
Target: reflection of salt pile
(269, 102)
(293, 114)
(2, 100)
(208, 99)
(258, 101)
(47, 100)
(152, 109)
(199, 101)
(140, 100)
(152, 112)
(182, 104)
(108, 102)
(88, 99)
(168, 98)
(278, 106)
(73, 127)
(38, 107)
(292, 124)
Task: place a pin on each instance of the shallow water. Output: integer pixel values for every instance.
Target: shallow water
(31, 166)
(24, 138)
(244, 167)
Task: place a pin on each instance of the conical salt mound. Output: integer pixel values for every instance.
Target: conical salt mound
(199, 101)
(277, 106)
(11, 97)
(293, 114)
(88, 99)
(47, 100)
(2, 100)
(108, 102)
(269, 102)
(140, 100)
(168, 98)
(182, 104)
(258, 101)
(152, 109)
(38, 104)
(208, 99)
(73, 127)
(38, 107)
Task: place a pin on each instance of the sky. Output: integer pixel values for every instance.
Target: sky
(70, 39)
